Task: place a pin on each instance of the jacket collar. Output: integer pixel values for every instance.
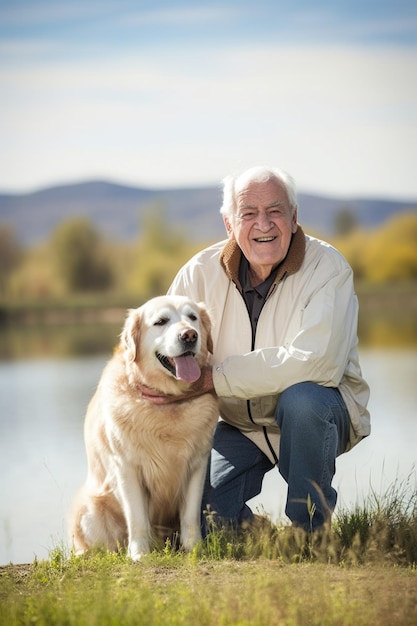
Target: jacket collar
(231, 255)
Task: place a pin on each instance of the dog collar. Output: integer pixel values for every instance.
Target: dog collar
(157, 397)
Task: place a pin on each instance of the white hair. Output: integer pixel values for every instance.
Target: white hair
(260, 174)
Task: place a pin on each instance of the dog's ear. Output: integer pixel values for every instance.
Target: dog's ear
(206, 322)
(130, 334)
(210, 346)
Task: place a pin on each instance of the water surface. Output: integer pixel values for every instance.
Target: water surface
(42, 457)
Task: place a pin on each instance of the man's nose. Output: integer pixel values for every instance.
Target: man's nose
(263, 221)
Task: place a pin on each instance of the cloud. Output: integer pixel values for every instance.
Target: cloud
(339, 117)
(35, 13)
(185, 15)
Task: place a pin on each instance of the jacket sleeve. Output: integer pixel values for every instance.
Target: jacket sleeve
(318, 351)
(184, 285)
(201, 279)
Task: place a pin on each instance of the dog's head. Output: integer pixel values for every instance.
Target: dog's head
(167, 337)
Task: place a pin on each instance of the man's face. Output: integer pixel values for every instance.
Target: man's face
(263, 226)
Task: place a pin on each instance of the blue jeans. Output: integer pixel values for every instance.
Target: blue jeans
(314, 425)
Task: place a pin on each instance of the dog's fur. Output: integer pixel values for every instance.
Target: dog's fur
(147, 460)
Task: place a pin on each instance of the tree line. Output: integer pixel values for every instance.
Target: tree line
(77, 258)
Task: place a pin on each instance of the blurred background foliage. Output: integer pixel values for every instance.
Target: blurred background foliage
(78, 260)
(383, 256)
(82, 281)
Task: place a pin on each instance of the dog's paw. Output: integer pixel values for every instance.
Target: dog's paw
(136, 556)
(79, 552)
(190, 539)
(137, 549)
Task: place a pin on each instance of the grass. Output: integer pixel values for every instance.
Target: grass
(103, 589)
(361, 571)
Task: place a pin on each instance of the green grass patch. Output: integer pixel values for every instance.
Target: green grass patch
(182, 589)
(360, 571)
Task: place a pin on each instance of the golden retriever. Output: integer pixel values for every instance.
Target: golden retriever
(147, 459)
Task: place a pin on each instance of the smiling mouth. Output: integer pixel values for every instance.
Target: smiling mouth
(183, 367)
(166, 362)
(264, 239)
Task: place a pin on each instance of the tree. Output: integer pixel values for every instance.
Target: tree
(160, 252)
(352, 246)
(10, 255)
(345, 222)
(79, 256)
(391, 252)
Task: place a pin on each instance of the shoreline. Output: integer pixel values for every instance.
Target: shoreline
(105, 309)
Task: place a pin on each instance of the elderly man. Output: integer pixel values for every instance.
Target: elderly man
(285, 363)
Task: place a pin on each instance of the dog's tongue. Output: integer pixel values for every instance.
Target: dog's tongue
(187, 368)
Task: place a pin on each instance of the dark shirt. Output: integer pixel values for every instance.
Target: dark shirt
(254, 297)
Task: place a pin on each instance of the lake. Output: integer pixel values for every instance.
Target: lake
(42, 457)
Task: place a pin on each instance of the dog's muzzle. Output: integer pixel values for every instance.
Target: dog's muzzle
(184, 367)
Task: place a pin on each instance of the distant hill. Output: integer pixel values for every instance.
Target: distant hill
(117, 209)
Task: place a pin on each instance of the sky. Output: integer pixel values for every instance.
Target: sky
(178, 93)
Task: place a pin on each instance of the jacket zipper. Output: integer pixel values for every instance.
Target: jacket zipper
(264, 429)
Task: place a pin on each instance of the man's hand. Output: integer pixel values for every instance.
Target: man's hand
(204, 384)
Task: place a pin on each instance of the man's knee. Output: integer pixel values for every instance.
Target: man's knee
(309, 405)
(299, 400)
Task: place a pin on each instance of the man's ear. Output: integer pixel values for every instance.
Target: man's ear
(130, 334)
(294, 221)
(228, 225)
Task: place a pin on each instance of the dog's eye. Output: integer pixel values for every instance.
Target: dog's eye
(193, 317)
(161, 321)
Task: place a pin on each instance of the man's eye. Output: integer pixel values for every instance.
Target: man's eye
(161, 321)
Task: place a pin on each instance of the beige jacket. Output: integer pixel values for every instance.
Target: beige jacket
(306, 332)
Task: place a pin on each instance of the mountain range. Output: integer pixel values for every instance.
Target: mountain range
(116, 210)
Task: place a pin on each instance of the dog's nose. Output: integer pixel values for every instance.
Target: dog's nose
(188, 337)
